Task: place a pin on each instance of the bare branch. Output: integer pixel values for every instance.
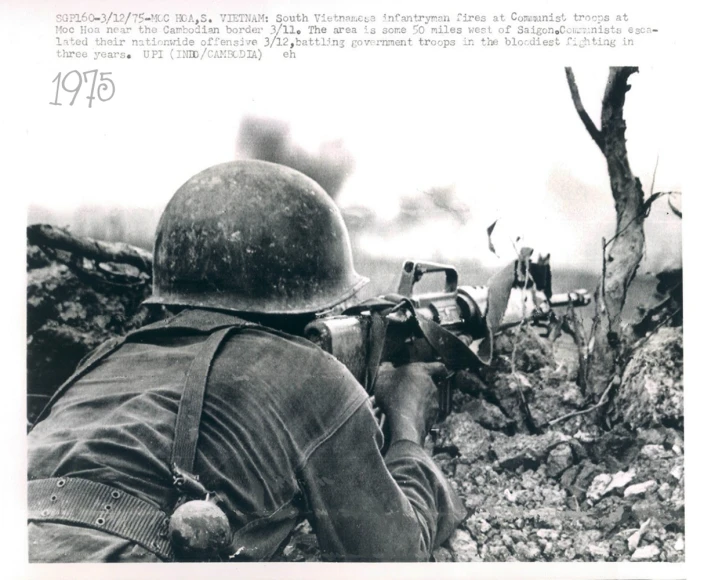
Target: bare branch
(655, 171)
(676, 211)
(644, 211)
(602, 401)
(586, 119)
(575, 414)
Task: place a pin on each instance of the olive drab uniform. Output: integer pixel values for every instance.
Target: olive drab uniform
(274, 447)
(285, 431)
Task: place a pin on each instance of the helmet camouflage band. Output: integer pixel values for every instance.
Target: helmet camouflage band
(253, 236)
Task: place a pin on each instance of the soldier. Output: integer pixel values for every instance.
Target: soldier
(211, 434)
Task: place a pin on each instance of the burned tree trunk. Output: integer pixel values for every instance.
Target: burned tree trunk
(623, 252)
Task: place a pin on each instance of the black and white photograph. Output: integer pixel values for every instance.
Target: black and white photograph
(345, 282)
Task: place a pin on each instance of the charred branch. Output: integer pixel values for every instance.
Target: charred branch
(60, 239)
(581, 111)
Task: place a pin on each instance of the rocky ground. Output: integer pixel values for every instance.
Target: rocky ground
(570, 491)
(542, 480)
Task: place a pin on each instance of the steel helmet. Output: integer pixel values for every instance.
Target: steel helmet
(253, 236)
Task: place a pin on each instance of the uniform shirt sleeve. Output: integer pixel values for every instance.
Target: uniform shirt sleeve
(368, 508)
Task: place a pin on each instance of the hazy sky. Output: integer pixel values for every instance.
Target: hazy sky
(501, 128)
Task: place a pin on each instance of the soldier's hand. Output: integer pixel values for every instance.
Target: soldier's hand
(408, 396)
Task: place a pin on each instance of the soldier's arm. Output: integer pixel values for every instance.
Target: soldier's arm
(365, 507)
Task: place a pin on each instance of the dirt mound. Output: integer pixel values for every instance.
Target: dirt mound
(77, 297)
(652, 392)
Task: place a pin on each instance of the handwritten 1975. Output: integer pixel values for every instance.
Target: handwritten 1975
(73, 81)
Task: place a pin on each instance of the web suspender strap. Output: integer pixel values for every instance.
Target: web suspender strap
(190, 407)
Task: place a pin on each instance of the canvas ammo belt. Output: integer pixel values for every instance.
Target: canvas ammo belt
(77, 501)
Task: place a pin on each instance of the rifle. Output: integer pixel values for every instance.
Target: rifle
(456, 325)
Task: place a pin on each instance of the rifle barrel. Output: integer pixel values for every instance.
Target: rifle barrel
(576, 297)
